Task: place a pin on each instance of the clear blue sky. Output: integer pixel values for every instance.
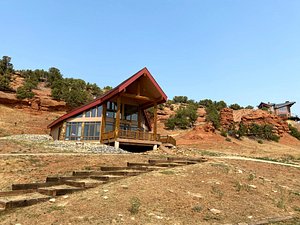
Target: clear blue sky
(239, 51)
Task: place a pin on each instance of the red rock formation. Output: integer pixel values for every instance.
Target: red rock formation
(226, 118)
(262, 117)
(247, 117)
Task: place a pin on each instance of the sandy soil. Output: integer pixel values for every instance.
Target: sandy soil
(25, 121)
(242, 192)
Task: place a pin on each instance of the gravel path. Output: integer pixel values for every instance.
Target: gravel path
(255, 160)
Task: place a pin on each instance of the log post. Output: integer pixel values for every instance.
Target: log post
(155, 121)
(139, 119)
(103, 121)
(117, 127)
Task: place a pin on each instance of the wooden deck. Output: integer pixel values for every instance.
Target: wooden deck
(137, 138)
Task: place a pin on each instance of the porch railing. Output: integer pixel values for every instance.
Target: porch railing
(131, 134)
(166, 139)
(139, 135)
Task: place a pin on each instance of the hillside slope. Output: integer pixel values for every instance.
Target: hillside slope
(216, 192)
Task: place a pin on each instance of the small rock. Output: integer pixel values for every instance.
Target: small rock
(197, 195)
(240, 171)
(274, 191)
(66, 196)
(250, 217)
(105, 197)
(52, 200)
(215, 211)
(159, 217)
(105, 190)
(132, 218)
(124, 186)
(242, 223)
(252, 186)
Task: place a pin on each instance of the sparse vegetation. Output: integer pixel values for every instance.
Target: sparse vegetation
(228, 139)
(294, 132)
(251, 176)
(135, 205)
(197, 208)
(6, 68)
(241, 187)
(223, 133)
(217, 191)
(235, 106)
(254, 130)
(260, 141)
(184, 118)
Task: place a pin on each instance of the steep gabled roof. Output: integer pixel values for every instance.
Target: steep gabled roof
(112, 93)
(287, 103)
(276, 106)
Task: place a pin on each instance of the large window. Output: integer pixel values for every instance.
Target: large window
(91, 113)
(99, 111)
(131, 113)
(283, 110)
(73, 131)
(111, 110)
(91, 131)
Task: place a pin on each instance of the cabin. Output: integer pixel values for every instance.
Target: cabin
(118, 117)
(282, 110)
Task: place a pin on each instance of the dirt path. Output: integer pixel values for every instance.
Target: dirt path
(255, 160)
(56, 154)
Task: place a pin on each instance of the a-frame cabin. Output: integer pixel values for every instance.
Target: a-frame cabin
(118, 117)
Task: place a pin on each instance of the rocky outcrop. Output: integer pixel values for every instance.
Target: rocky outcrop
(37, 103)
(262, 117)
(7, 98)
(228, 117)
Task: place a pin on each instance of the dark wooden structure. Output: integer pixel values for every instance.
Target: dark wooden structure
(118, 117)
(282, 110)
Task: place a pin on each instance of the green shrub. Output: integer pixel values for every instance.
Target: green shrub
(249, 107)
(235, 106)
(135, 205)
(6, 68)
(184, 118)
(180, 99)
(212, 115)
(256, 131)
(260, 141)
(24, 92)
(294, 132)
(170, 123)
(228, 139)
(223, 133)
(262, 131)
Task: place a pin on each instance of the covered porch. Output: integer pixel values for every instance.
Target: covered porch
(124, 118)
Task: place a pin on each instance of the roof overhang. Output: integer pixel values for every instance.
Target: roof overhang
(117, 91)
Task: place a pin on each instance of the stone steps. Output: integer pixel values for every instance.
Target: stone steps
(106, 178)
(27, 199)
(58, 190)
(84, 183)
(32, 193)
(64, 178)
(33, 186)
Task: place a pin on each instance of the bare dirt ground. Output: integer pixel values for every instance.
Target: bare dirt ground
(25, 121)
(219, 191)
(216, 192)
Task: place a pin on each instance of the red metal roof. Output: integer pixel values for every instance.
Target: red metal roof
(110, 94)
